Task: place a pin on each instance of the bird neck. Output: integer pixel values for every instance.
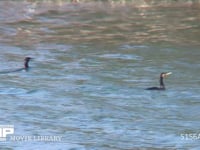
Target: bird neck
(26, 66)
(162, 85)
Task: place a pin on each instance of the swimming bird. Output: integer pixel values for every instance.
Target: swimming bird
(26, 62)
(162, 85)
(26, 67)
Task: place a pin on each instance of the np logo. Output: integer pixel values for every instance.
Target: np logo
(5, 130)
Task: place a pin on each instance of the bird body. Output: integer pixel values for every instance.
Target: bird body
(155, 88)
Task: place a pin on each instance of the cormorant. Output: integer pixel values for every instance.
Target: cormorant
(162, 85)
(26, 61)
(26, 66)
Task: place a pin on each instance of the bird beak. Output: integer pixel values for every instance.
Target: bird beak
(168, 73)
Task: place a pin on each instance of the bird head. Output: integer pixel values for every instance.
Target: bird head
(27, 58)
(165, 74)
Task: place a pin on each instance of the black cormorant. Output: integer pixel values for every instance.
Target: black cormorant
(162, 85)
(26, 62)
(26, 67)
